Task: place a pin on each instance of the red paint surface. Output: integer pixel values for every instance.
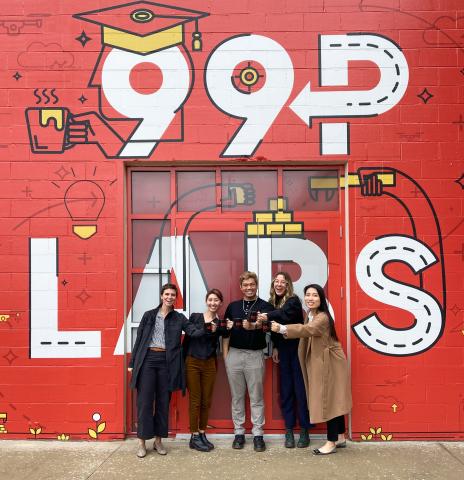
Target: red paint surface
(425, 141)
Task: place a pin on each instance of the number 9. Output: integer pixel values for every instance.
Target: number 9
(260, 108)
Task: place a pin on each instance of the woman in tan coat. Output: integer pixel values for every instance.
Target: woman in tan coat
(324, 366)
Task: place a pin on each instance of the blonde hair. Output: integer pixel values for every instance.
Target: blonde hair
(288, 291)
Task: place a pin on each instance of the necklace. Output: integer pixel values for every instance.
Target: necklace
(247, 308)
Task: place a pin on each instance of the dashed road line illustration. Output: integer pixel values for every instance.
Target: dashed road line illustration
(428, 317)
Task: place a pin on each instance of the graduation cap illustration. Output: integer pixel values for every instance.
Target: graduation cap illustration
(144, 27)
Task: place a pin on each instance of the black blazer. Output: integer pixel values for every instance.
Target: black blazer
(290, 312)
(174, 323)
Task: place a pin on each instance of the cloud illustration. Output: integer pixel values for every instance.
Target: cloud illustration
(44, 56)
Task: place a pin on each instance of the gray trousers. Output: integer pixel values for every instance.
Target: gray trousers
(245, 370)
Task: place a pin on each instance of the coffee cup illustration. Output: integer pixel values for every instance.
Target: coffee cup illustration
(48, 129)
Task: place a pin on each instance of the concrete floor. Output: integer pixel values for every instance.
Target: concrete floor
(50, 460)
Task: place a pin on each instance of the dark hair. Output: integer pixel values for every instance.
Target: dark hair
(323, 307)
(169, 286)
(214, 291)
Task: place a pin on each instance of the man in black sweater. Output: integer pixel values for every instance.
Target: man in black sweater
(243, 346)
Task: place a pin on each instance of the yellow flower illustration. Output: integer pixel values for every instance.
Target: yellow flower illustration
(99, 427)
(35, 431)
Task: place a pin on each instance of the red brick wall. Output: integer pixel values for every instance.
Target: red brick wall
(416, 143)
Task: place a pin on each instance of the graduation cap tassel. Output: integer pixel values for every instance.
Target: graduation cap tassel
(197, 44)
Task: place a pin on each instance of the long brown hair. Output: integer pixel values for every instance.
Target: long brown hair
(324, 307)
(288, 291)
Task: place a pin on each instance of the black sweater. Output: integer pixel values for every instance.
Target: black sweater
(246, 339)
(203, 347)
(290, 312)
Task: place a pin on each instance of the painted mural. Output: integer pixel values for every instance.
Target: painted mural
(145, 142)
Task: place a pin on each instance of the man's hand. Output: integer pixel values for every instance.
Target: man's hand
(248, 325)
(230, 324)
(225, 347)
(129, 370)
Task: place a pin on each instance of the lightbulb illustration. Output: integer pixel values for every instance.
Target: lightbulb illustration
(84, 201)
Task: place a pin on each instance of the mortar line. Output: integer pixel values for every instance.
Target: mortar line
(104, 461)
(451, 453)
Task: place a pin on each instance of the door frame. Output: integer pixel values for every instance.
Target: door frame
(334, 221)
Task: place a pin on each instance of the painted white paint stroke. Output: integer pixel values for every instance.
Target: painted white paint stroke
(47, 341)
(148, 293)
(334, 138)
(428, 318)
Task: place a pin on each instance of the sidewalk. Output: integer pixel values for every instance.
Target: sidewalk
(51, 460)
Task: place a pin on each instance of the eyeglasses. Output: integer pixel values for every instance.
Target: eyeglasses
(278, 282)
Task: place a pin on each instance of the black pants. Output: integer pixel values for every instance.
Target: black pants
(292, 390)
(334, 427)
(152, 387)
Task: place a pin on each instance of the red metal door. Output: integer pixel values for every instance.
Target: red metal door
(218, 223)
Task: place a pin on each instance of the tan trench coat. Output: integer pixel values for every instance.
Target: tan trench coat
(325, 369)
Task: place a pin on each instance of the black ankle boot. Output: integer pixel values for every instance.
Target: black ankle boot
(196, 443)
(303, 441)
(289, 439)
(206, 441)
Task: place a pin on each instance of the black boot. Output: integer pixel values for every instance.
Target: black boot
(289, 439)
(239, 442)
(303, 441)
(196, 443)
(206, 441)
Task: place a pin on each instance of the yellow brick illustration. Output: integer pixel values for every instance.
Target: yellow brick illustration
(264, 217)
(274, 228)
(277, 204)
(283, 217)
(255, 230)
(294, 228)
